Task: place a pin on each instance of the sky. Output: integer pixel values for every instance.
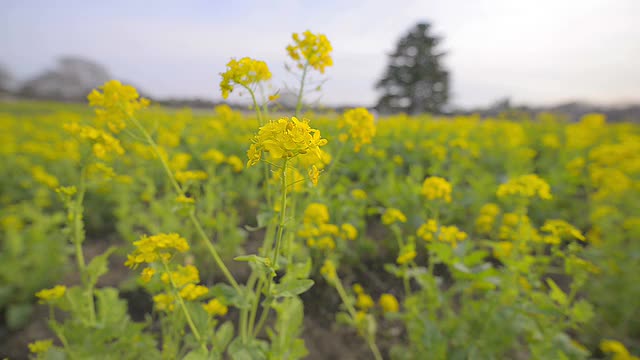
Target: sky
(536, 52)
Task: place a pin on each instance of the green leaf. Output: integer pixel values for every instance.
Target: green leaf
(292, 288)
(98, 266)
(582, 311)
(252, 350)
(224, 335)
(110, 308)
(241, 300)
(198, 354)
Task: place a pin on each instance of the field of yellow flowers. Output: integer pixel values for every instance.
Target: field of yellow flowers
(239, 235)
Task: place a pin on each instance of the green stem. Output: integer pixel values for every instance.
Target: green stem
(254, 308)
(78, 239)
(301, 91)
(185, 311)
(192, 217)
(283, 207)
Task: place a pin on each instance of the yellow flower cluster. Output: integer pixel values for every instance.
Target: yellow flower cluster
(285, 139)
(389, 303)
(486, 219)
(103, 143)
(392, 216)
(244, 72)
(42, 176)
(430, 231)
(116, 103)
(364, 302)
(526, 186)
(150, 249)
(40, 346)
(215, 308)
(435, 187)
(190, 175)
(49, 295)
(407, 254)
(558, 230)
(328, 270)
(360, 124)
(618, 350)
(312, 49)
(319, 233)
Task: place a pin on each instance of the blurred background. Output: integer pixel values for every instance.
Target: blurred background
(569, 56)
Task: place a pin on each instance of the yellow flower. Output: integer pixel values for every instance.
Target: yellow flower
(103, 143)
(360, 124)
(192, 292)
(616, 348)
(215, 308)
(116, 103)
(502, 249)
(49, 295)
(560, 229)
(392, 216)
(40, 346)
(451, 235)
(164, 302)
(314, 174)
(147, 274)
(236, 164)
(349, 231)
(364, 302)
(157, 247)
(244, 72)
(182, 276)
(359, 194)
(190, 175)
(214, 155)
(389, 303)
(526, 186)
(435, 187)
(312, 49)
(42, 176)
(285, 139)
(316, 213)
(328, 270)
(181, 199)
(428, 230)
(407, 254)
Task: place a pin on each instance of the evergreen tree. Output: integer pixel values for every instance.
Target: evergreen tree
(415, 80)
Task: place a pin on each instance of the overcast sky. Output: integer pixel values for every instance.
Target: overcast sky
(536, 51)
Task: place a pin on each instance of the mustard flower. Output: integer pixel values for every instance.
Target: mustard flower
(116, 103)
(190, 175)
(407, 254)
(312, 49)
(150, 249)
(40, 346)
(244, 72)
(435, 187)
(182, 276)
(428, 230)
(103, 143)
(42, 176)
(147, 274)
(285, 139)
(328, 270)
(164, 302)
(236, 164)
(214, 155)
(526, 186)
(559, 229)
(618, 350)
(314, 174)
(215, 308)
(388, 303)
(349, 231)
(316, 213)
(392, 216)
(502, 249)
(360, 124)
(364, 302)
(49, 295)
(451, 235)
(359, 194)
(192, 292)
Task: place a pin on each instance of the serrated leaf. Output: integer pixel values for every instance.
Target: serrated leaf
(98, 266)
